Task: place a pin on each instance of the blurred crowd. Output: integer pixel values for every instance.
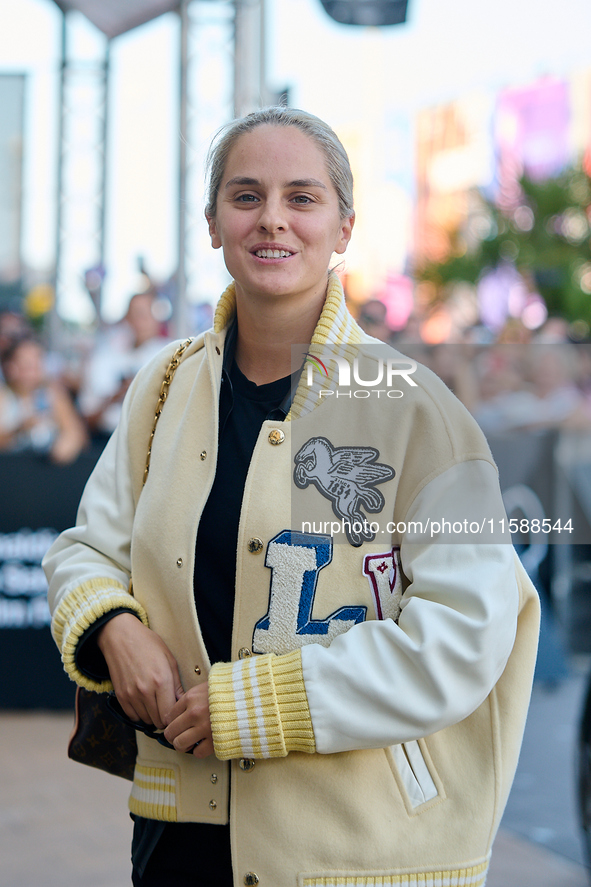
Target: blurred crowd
(55, 409)
(516, 380)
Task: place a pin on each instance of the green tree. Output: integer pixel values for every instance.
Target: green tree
(546, 237)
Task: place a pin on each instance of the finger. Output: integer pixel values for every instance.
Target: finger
(180, 725)
(136, 710)
(191, 710)
(165, 699)
(158, 698)
(177, 710)
(128, 709)
(168, 699)
(178, 684)
(153, 710)
(188, 740)
(204, 748)
(140, 701)
(131, 707)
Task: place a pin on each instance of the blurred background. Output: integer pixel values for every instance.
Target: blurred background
(468, 127)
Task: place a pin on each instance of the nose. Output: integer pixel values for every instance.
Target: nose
(272, 218)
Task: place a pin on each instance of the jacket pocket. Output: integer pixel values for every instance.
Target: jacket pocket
(473, 875)
(415, 774)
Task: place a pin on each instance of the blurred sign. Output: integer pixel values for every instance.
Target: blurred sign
(37, 501)
(371, 13)
(532, 128)
(532, 134)
(114, 17)
(12, 91)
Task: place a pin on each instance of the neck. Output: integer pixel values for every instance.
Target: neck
(266, 332)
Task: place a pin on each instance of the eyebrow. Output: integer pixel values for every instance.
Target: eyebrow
(296, 183)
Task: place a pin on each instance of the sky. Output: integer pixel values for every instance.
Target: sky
(358, 79)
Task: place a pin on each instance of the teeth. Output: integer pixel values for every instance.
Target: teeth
(272, 253)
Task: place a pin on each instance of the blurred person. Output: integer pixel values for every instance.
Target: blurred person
(553, 396)
(411, 333)
(500, 373)
(337, 709)
(454, 364)
(36, 414)
(114, 363)
(372, 319)
(514, 332)
(553, 332)
(581, 419)
(542, 394)
(12, 326)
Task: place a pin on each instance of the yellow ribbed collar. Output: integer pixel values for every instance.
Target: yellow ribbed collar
(335, 329)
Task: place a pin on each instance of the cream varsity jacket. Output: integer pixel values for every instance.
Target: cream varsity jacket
(371, 718)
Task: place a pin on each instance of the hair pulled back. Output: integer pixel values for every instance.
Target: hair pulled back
(337, 162)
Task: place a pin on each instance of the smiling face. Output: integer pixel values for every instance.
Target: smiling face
(277, 216)
(24, 370)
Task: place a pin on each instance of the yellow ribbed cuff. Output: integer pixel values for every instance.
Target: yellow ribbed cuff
(76, 613)
(259, 707)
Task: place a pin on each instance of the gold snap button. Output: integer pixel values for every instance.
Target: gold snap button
(197, 670)
(246, 764)
(251, 879)
(179, 562)
(214, 778)
(244, 653)
(276, 437)
(213, 805)
(255, 545)
(203, 455)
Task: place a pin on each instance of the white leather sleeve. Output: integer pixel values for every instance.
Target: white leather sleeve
(384, 682)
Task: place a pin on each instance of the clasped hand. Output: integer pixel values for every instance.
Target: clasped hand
(147, 684)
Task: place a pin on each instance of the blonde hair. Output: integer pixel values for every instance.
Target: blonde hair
(337, 162)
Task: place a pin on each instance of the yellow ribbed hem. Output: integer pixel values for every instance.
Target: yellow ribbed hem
(79, 609)
(473, 876)
(258, 708)
(153, 794)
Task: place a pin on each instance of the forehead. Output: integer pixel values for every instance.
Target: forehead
(285, 150)
(26, 351)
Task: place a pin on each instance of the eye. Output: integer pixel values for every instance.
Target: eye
(246, 198)
(302, 199)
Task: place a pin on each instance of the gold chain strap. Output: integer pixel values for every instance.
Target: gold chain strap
(166, 382)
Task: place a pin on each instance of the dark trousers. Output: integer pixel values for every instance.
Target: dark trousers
(180, 854)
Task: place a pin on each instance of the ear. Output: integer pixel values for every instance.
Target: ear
(345, 232)
(213, 232)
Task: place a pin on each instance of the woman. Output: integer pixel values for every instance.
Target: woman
(119, 353)
(368, 637)
(36, 415)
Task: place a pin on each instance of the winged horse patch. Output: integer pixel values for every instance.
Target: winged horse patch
(347, 477)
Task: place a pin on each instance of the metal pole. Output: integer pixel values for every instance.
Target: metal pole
(238, 64)
(248, 62)
(54, 325)
(263, 92)
(181, 276)
(103, 179)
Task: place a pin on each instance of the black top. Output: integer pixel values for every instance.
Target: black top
(244, 407)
